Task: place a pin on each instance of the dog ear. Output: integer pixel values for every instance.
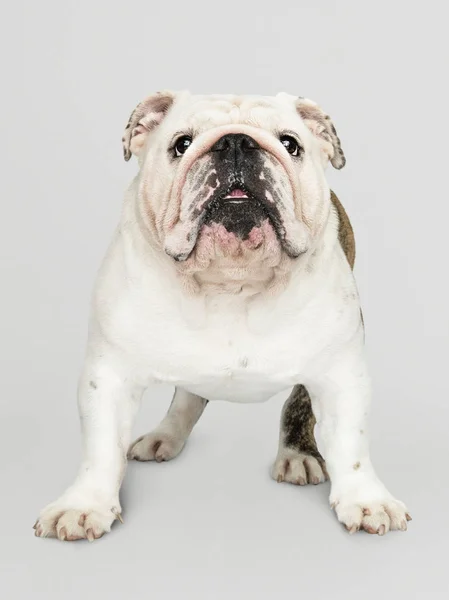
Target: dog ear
(321, 126)
(145, 117)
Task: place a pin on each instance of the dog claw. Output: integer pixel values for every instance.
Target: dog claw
(408, 517)
(90, 535)
(381, 530)
(118, 515)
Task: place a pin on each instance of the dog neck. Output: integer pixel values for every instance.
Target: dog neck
(223, 276)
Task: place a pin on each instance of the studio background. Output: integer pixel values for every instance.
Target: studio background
(212, 524)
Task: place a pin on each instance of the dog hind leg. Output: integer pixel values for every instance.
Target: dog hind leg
(298, 460)
(168, 439)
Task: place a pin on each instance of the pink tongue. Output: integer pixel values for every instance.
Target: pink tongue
(237, 193)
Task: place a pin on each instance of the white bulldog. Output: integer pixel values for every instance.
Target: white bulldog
(229, 277)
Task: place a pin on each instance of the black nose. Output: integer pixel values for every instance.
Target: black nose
(234, 145)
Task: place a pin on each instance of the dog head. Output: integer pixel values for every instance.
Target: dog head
(232, 181)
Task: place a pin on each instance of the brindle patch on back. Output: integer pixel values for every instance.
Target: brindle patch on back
(345, 235)
(345, 231)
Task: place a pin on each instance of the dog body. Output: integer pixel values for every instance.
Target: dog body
(235, 347)
(229, 277)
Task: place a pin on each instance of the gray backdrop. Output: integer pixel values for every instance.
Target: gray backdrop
(212, 525)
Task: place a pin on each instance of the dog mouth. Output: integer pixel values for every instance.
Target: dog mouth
(239, 211)
(236, 195)
(240, 214)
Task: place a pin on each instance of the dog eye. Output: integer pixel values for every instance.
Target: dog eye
(290, 144)
(182, 144)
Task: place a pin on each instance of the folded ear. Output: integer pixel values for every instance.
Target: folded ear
(321, 126)
(145, 117)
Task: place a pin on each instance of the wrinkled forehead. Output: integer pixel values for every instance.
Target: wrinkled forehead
(200, 113)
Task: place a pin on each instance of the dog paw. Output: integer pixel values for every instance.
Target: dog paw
(372, 512)
(73, 519)
(298, 468)
(159, 445)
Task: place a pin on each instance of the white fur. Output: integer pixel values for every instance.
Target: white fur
(147, 326)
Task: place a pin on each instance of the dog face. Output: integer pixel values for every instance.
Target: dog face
(233, 179)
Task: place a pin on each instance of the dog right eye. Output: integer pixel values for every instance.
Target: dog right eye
(182, 145)
(290, 144)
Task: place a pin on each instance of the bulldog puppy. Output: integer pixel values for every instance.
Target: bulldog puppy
(228, 277)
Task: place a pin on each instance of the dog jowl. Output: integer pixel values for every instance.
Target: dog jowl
(230, 278)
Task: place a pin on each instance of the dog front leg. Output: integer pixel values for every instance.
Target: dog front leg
(107, 401)
(341, 400)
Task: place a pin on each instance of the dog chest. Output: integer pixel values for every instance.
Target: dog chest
(224, 352)
(227, 364)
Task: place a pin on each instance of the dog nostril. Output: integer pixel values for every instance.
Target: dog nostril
(221, 146)
(248, 143)
(224, 144)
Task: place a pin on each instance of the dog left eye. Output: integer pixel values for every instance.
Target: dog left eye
(290, 144)
(182, 144)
